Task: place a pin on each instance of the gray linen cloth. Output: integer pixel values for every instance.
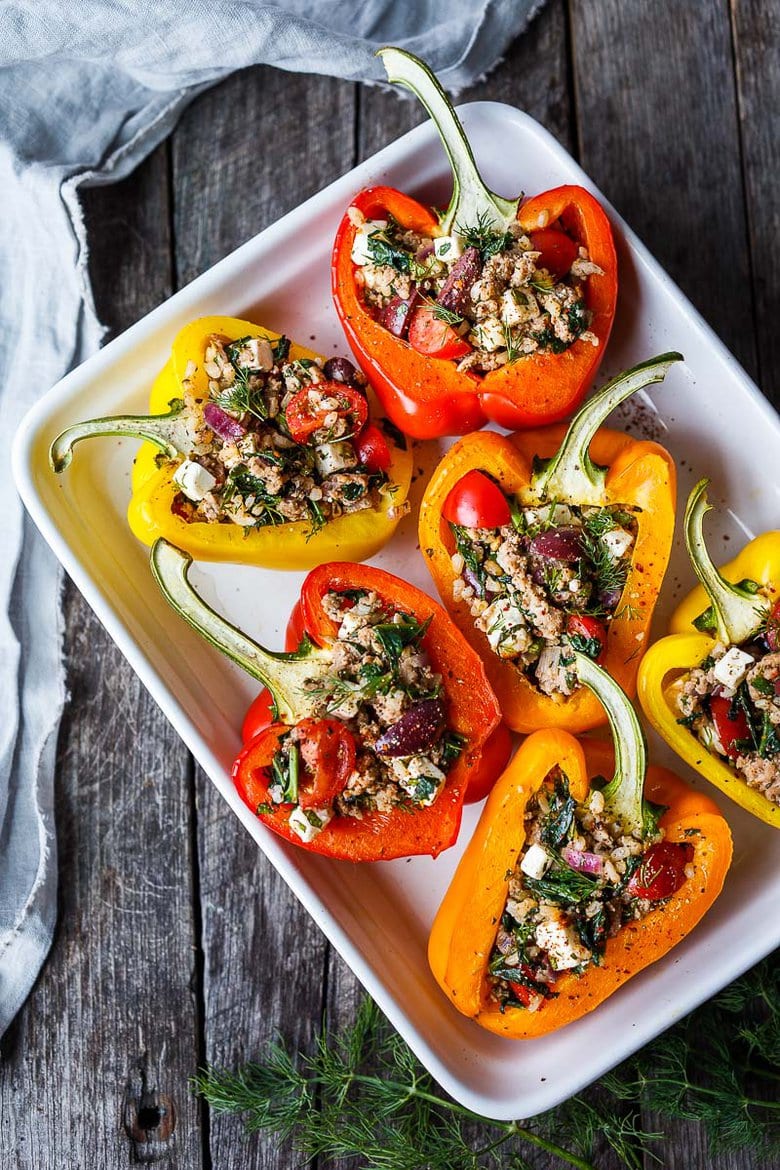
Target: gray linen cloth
(87, 90)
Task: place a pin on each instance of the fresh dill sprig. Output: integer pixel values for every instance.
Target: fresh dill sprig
(483, 237)
(241, 397)
(363, 1093)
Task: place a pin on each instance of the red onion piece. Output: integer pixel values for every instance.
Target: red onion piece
(415, 731)
(395, 316)
(558, 544)
(221, 423)
(583, 861)
(424, 251)
(457, 287)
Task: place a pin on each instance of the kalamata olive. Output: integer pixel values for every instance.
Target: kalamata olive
(455, 291)
(221, 423)
(339, 369)
(415, 731)
(395, 316)
(558, 544)
(608, 599)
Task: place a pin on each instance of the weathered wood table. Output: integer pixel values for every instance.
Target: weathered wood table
(177, 943)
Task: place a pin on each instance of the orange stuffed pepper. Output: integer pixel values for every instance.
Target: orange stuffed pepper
(570, 885)
(546, 542)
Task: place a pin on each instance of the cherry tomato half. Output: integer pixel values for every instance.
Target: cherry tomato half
(559, 251)
(661, 871)
(476, 502)
(435, 338)
(372, 448)
(583, 625)
(327, 750)
(304, 417)
(729, 729)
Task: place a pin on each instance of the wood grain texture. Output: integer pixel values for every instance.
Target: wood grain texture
(264, 956)
(756, 30)
(657, 130)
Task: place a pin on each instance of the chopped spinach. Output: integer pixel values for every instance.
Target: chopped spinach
(562, 885)
(396, 635)
(558, 822)
(383, 252)
(281, 350)
(452, 744)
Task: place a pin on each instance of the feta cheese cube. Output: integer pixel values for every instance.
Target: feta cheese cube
(195, 481)
(331, 457)
(506, 628)
(731, 669)
(617, 542)
(489, 335)
(308, 822)
(511, 312)
(563, 948)
(536, 861)
(419, 777)
(448, 248)
(360, 252)
(256, 354)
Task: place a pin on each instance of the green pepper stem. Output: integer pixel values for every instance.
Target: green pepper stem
(287, 676)
(739, 614)
(472, 204)
(623, 795)
(571, 474)
(166, 431)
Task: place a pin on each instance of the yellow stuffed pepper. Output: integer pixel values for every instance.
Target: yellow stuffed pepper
(712, 688)
(257, 451)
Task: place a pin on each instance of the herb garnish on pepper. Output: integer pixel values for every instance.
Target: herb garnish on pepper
(258, 452)
(491, 310)
(570, 885)
(712, 688)
(546, 542)
(381, 714)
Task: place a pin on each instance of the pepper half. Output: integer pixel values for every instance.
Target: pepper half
(471, 708)
(465, 929)
(151, 512)
(427, 396)
(584, 465)
(736, 613)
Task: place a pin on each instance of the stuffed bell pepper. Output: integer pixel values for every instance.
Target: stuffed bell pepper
(546, 542)
(571, 885)
(493, 309)
(712, 688)
(379, 718)
(256, 451)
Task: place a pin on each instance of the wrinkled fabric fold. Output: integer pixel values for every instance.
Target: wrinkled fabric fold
(87, 91)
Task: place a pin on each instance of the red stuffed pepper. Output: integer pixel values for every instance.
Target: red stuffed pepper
(380, 717)
(493, 310)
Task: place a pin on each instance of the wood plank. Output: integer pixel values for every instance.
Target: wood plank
(658, 131)
(96, 1067)
(756, 28)
(264, 956)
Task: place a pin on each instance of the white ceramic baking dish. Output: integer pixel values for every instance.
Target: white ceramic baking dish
(709, 414)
